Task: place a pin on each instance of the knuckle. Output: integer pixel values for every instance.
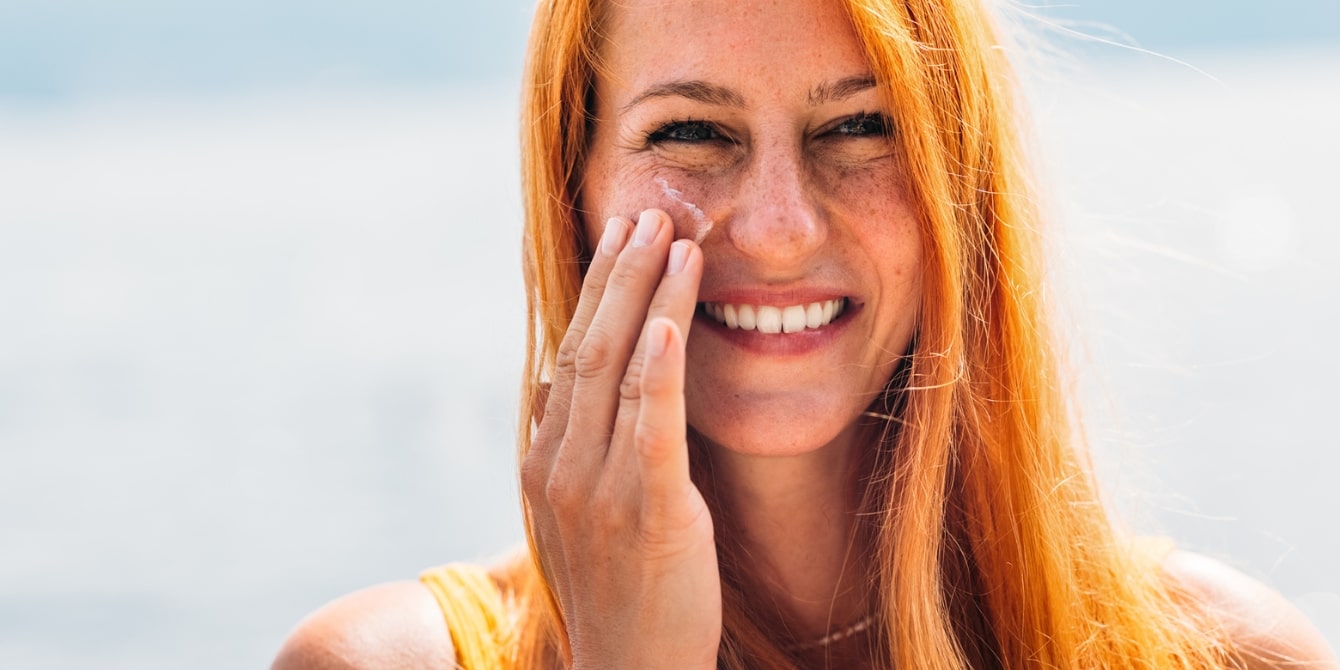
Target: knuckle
(534, 474)
(567, 349)
(630, 389)
(655, 383)
(564, 486)
(562, 494)
(649, 444)
(626, 272)
(594, 356)
(593, 285)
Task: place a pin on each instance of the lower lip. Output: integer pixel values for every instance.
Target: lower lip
(778, 344)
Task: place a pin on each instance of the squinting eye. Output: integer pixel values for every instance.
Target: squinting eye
(864, 125)
(684, 131)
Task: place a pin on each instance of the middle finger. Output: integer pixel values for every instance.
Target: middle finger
(604, 353)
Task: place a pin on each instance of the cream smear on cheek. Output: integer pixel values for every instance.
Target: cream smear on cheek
(702, 224)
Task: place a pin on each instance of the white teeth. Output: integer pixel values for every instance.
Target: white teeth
(814, 315)
(770, 319)
(747, 318)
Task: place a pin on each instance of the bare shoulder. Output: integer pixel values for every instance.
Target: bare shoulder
(396, 625)
(1270, 631)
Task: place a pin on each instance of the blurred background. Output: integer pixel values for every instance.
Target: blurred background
(261, 313)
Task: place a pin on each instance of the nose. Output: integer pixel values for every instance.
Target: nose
(777, 220)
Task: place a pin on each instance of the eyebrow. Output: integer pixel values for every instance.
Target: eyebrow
(712, 94)
(697, 90)
(841, 89)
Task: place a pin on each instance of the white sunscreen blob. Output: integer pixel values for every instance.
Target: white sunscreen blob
(702, 224)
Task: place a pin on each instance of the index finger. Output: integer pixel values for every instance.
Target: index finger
(558, 398)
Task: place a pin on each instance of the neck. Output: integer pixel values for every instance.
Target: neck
(795, 519)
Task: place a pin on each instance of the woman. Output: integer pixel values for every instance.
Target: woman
(794, 397)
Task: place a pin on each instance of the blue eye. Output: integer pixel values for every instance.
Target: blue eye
(684, 131)
(863, 125)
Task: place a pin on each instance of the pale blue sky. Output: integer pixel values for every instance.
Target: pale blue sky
(52, 50)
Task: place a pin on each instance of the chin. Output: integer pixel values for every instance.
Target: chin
(780, 430)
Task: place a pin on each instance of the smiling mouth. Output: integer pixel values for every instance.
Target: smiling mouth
(770, 319)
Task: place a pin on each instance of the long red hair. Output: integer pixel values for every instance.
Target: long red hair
(988, 542)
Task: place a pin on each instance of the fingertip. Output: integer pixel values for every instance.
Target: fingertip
(658, 212)
(661, 334)
(615, 236)
(679, 257)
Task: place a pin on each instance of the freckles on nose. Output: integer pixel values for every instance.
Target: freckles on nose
(782, 226)
(777, 215)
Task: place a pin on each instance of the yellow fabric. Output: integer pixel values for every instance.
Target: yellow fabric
(475, 615)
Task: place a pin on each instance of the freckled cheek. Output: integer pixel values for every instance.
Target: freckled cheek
(885, 226)
(869, 197)
(694, 203)
(610, 190)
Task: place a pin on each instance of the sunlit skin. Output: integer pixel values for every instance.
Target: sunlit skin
(792, 160)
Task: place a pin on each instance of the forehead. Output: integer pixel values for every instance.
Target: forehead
(757, 45)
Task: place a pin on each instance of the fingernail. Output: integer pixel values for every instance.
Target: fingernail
(658, 338)
(646, 229)
(616, 233)
(679, 256)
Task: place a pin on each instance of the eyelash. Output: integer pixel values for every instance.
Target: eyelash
(881, 125)
(668, 132)
(863, 124)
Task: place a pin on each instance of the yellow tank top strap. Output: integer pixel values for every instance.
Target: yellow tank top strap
(475, 614)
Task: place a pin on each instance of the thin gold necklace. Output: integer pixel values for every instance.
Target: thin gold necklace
(861, 625)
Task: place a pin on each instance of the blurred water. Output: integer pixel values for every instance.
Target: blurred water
(256, 353)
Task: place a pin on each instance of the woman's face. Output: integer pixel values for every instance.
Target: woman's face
(762, 116)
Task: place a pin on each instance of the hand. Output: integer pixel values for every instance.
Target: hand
(623, 535)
